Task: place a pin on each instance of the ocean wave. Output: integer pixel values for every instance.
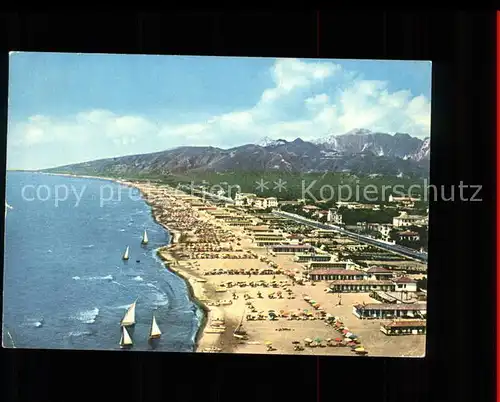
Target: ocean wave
(89, 246)
(152, 286)
(122, 230)
(79, 333)
(94, 278)
(160, 299)
(49, 251)
(138, 278)
(88, 316)
(36, 322)
(119, 284)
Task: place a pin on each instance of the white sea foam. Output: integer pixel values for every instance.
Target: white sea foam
(160, 299)
(88, 316)
(89, 246)
(49, 251)
(35, 322)
(79, 333)
(122, 230)
(119, 284)
(138, 278)
(94, 278)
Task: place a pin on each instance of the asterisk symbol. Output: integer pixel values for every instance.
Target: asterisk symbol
(280, 185)
(262, 185)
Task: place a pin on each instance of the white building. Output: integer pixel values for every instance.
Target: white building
(383, 228)
(241, 199)
(409, 235)
(272, 202)
(264, 203)
(403, 200)
(334, 217)
(409, 220)
(405, 284)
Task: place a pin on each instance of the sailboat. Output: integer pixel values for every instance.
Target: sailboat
(155, 332)
(145, 238)
(125, 340)
(129, 318)
(125, 255)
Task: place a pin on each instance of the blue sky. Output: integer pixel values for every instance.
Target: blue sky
(66, 108)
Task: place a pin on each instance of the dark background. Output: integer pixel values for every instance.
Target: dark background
(459, 362)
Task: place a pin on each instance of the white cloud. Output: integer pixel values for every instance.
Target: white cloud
(317, 110)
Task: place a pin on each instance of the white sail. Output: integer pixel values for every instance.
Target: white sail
(125, 255)
(126, 339)
(145, 238)
(155, 330)
(129, 318)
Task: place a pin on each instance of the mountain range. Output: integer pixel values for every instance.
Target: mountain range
(359, 152)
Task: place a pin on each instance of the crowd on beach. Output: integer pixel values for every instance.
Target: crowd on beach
(206, 238)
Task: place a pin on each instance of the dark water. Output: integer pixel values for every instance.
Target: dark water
(65, 284)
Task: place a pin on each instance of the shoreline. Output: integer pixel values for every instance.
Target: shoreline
(175, 236)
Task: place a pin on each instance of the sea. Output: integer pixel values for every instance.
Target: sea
(65, 283)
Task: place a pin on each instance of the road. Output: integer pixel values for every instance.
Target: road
(394, 248)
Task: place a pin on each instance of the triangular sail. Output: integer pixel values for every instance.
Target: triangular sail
(127, 340)
(155, 330)
(145, 238)
(125, 255)
(129, 318)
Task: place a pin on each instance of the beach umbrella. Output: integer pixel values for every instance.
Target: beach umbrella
(352, 336)
(268, 343)
(308, 340)
(338, 339)
(359, 349)
(318, 340)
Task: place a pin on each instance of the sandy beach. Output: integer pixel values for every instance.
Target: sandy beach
(241, 287)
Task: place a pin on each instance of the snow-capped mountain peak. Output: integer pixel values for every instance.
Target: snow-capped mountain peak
(269, 142)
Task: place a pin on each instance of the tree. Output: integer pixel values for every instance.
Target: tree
(422, 283)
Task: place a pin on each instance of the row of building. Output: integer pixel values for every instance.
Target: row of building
(251, 200)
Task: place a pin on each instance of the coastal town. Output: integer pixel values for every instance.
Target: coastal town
(270, 283)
